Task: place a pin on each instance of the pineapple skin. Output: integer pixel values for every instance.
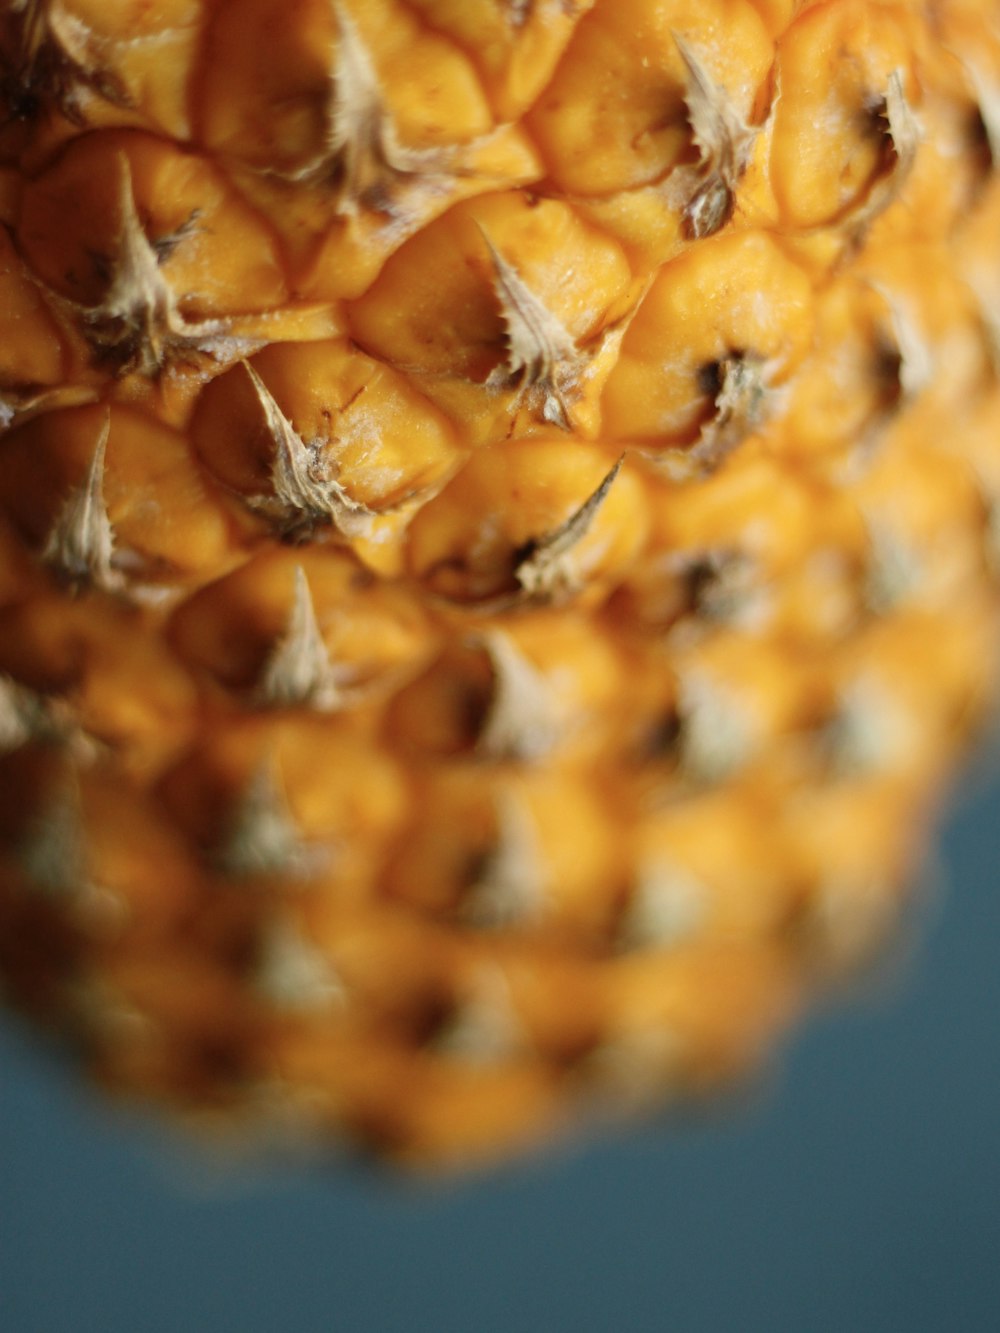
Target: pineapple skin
(498, 538)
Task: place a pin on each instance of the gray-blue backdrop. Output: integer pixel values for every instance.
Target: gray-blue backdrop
(860, 1195)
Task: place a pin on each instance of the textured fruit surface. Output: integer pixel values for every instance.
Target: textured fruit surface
(498, 537)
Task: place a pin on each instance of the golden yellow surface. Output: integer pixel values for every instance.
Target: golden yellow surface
(498, 537)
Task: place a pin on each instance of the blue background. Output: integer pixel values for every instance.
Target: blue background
(860, 1191)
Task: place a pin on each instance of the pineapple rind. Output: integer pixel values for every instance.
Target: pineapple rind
(499, 537)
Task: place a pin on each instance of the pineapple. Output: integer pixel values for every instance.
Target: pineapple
(498, 537)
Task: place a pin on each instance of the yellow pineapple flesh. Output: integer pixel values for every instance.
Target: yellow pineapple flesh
(498, 537)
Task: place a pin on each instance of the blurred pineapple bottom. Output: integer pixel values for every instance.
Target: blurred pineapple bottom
(573, 971)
